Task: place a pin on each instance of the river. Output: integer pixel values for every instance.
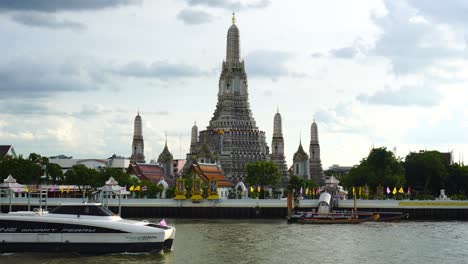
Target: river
(274, 241)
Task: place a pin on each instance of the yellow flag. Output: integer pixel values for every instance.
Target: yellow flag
(401, 190)
(251, 189)
(131, 188)
(307, 190)
(313, 190)
(61, 189)
(137, 189)
(360, 190)
(26, 189)
(353, 190)
(258, 188)
(68, 189)
(394, 190)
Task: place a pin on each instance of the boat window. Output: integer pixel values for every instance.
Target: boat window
(82, 210)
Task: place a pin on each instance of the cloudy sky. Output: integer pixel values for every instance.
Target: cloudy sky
(394, 73)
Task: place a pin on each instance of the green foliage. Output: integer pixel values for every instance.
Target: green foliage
(296, 183)
(426, 171)
(380, 167)
(263, 173)
(54, 173)
(458, 179)
(458, 197)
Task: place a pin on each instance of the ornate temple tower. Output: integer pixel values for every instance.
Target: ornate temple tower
(167, 160)
(277, 148)
(138, 147)
(194, 138)
(316, 171)
(232, 137)
(301, 163)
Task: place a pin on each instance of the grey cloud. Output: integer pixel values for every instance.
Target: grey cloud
(344, 53)
(62, 5)
(159, 69)
(24, 107)
(405, 96)
(267, 63)
(42, 20)
(194, 17)
(33, 79)
(410, 45)
(453, 11)
(231, 5)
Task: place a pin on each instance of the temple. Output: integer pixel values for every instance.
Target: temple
(277, 149)
(315, 165)
(232, 137)
(138, 148)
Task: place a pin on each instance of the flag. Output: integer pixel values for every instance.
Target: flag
(243, 188)
(307, 191)
(52, 189)
(394, 190)
(26, 189)
(258, 189)
(388, 190)
(401, 190)
(313, 190)
(144, 188)
(131, 188)
(61, 188)
(409, 190)
(137, 189)
(353, 190)
(300, 191)
(162, 222)
(251, 189)
(68, 189)
(360, 190)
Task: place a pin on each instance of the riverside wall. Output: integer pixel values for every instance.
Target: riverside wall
(253, 208)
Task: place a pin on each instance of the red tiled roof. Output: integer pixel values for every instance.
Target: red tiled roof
(152, 172)
(208, 172)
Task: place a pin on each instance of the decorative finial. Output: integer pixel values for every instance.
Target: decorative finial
(166, 138)
(138, 112)
(277, 109)
(233, 18)
(300, 137)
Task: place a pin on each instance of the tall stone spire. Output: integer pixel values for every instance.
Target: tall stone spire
(137, 144)
(277, 145)
(194, 137)
(316, 171)
(233, 43)
(232, 137)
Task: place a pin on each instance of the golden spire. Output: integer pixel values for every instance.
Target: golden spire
(233, 18)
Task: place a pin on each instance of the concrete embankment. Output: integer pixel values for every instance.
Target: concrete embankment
(253, 208)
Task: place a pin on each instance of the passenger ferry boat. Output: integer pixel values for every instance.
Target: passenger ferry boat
(81, 228)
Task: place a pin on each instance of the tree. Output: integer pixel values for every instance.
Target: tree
(83, 177)
(380, 167)
(263, 173)
(457, 182)
(426, 171)
(55, 173)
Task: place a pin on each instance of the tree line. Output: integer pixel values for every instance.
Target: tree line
(425, 173)
(36, 170)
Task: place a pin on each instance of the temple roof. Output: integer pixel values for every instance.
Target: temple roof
(208, 172)
(300, 154)
(165, 155)
(152, 172)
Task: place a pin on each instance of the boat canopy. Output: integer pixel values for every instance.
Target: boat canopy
(324, 198)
